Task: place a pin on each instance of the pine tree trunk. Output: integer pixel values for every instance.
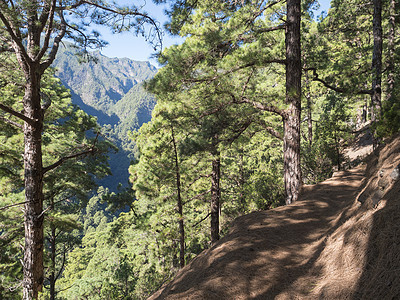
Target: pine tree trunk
(179, 204)
(215, 198)
(52, 278)
(309, 122)
(391, 47)
(291, 155)
(337, 148)
(291, 143)
(376, 103)
(309, 113)
(33, 216)
(309, 105)
(242, 198)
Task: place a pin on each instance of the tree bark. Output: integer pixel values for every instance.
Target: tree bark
(52, 278)
(376, 103)
(242, 198)
(391, 47)
(291, 120)
(291, 155)
(33, 215)
(309, 111)
(337, 148)
(215, 197)
(179, 203)
(309, 121)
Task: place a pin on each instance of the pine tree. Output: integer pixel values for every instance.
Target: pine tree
(33, 30)
(229, 43)
(66, 187)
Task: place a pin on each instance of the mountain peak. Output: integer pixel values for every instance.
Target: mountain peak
(110, 89)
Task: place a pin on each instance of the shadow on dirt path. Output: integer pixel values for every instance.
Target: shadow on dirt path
(270, 254)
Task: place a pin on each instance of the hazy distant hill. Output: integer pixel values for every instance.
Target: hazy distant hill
(111, 90)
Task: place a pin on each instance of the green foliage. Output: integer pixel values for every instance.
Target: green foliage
(66, 131)
(125, 258)
(96, 214)
(340, 48)
(201, 107)
(332, 130)
(204, 123)
(252, 176)
(390, 123)
(11, 237)
(223, 60)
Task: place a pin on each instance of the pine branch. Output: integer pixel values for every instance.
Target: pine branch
(216, 109)
(261, 11)
(65, 158)
(269, 29)
(45, 14)
(135, 13)
(15, 36)
(43, 18)
(228, 72)
(202, 220)
(271, 130)
(11, 122)
(62, 264)
(12, 205)
(17, 114)
(56, 43)
(246, 84)
(240, 131)
(197, 178)
(85, 37)
(58, 163)
(247, 38)
(197, 196)
(265, 107)
(336, 89)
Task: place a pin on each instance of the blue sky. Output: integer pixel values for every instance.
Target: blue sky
(136, 48)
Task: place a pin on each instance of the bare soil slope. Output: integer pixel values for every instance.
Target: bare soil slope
(340, 241)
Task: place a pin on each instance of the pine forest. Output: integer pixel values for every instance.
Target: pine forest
(116, 174)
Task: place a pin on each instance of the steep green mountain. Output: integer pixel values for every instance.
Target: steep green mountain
(110, 89)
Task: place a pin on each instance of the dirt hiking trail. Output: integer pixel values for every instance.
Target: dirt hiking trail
(316, 248)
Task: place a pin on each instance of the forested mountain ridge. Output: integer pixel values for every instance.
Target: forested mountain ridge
(102, 81)
(111, 90)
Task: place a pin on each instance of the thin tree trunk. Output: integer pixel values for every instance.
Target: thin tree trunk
(337, 148)
(309, 121)
(309, 112)
(365, 111)
(33, 215)
(179, 204)
(291, 143)
(391, 45)
(309, 103)
(376, 103)
(215, 197)
(52, 278)
(241, 182)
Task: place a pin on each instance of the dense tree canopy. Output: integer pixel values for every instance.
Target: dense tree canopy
(67, 129)
(258, 99)
(33, 30)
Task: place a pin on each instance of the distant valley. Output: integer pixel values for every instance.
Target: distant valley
(111, 90)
